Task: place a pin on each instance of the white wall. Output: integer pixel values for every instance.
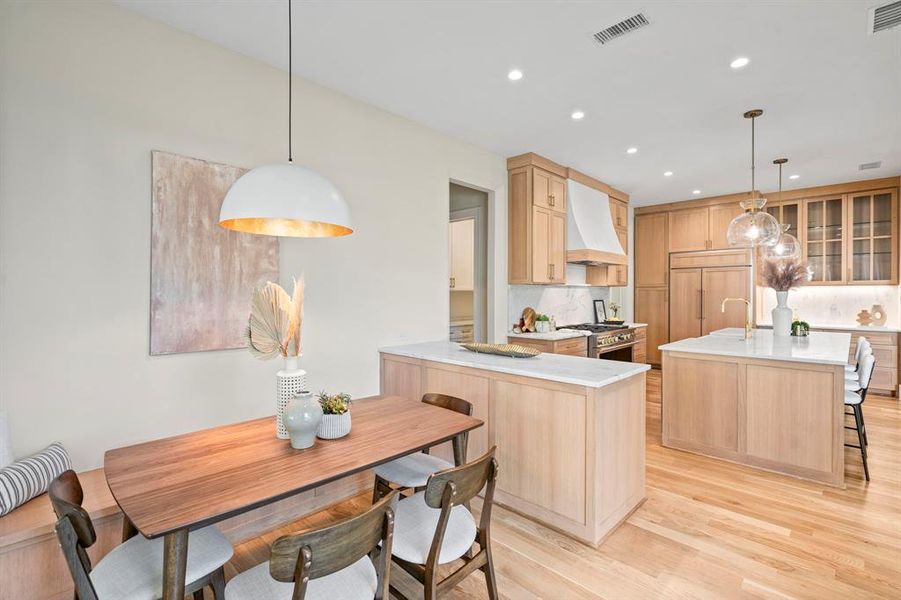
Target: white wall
(87, 90)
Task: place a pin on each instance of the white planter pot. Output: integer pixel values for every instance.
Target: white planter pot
(542, 326)
(334, 426)
(782, 316)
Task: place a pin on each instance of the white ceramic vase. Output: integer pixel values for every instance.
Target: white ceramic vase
(290, 381)
(334, 426)
(782, 316)
(302, 418)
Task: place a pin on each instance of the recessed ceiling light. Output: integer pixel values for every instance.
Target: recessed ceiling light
(667, 173)
(695, 192)
(631, 150)
(577, 115)
(793, 176)
(514, 75)
(741, 61)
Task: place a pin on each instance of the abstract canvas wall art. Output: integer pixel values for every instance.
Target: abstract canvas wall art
(202, 275)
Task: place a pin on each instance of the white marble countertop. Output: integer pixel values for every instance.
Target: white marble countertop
(854, 328)
(819, 347)
(563, 333)
(577, 370)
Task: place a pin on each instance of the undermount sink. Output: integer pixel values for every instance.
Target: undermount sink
(730, 332)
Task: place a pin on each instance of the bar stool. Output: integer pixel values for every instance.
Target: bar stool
(855, 401)
(852, 379)
(434, 528)
(861, 342)
(326, 564)
(134, 569)
(413, 471)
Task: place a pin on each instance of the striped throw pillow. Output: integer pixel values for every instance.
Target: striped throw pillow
(24, 479)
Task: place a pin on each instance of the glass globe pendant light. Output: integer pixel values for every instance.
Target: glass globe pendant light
(788, 246)
(754, 227)
(285, 199)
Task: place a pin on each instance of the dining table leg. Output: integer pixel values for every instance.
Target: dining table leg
(175, 561)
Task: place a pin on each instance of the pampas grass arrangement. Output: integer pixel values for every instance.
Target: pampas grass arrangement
(784, 274)
(275, 321)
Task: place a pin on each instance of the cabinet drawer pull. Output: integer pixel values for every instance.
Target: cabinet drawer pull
(551, 201)
(453, 282)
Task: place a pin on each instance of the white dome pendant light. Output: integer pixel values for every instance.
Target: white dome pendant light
(755, 227)
(788, 246)
(285, 199)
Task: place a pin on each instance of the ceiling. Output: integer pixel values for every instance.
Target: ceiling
(831, 93)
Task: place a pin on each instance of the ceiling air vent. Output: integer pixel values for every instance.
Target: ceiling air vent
(605, 36)
(885, 16)
(870, 165)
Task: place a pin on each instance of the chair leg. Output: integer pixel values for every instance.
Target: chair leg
(217, 582)
(863, 445)
(430, 584)
(863, 426)
(488, 570)
(198, 595)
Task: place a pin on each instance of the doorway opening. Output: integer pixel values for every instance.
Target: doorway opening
(468, 264)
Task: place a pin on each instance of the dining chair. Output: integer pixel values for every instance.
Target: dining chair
(855, 400)
(861, 342)
(332, 563)
(852, 379)
(434, 528)
(413, 470)
(132, 570)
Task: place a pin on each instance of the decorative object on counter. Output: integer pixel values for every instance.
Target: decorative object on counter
(614, 320)
(754, 227)
(528, 319)
(600, 311)
(193, 306)
(286, 199)
(303, 415)
(511, 350)
(335, 415)
(864, 318)
(543, 324)
(800, 328)
(274, 329)
(24, 479)
(879, 316)
(787, 246)
(782, 276)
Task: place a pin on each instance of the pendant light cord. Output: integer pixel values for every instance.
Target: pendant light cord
(290, 72)
(753, 193)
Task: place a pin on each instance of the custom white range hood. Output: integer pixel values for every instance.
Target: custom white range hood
(591, 238)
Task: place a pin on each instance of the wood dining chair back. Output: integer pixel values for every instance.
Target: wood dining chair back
(75, 530)
(450, 491)
(302, 557)
(461, 406)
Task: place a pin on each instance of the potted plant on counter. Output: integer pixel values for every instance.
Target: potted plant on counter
(335, 415)
(543, 324)
(783, 275)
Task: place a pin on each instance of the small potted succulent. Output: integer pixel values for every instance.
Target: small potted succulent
(543, 324)
(335, 415)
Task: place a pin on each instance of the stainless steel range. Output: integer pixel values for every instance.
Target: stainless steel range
(611, 342)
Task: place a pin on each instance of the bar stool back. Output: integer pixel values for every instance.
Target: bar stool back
(855, 400)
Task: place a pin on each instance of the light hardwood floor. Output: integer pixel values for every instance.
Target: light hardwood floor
(709, 529)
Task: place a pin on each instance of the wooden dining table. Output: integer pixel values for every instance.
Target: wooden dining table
(169, 487)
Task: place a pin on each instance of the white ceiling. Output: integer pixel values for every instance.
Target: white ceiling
(831, 92)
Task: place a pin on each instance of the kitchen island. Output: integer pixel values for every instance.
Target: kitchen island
(776, 403)
(569, 431)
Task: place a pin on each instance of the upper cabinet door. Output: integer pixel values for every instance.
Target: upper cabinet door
(462, 252)
(541, 244)
(619, 212)
(557, 199)
(688, 229)
(557, 247)
(651, 268)
(541, 188)
(824, 247)
(872, 219)
(720, 217)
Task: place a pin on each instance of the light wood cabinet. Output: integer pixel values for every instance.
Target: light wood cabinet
(872, 249)
(462, 254)
(613, 275)
(536, 221)
(652, 307)
(685, 304)
(688, 229)
(651, 256)
(718, 224)
(619, 212)
(717, 285)
(822, 244)
(571, 347)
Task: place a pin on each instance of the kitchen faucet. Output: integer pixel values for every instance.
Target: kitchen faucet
(748, 331)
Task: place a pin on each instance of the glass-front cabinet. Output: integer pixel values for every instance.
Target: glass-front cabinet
(872, 220)
(849, 238)
(787, 213)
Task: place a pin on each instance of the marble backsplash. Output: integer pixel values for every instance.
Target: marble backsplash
(834, 305)
(568, 305)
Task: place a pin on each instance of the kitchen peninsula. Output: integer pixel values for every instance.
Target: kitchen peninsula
(771, 402)
(570, 431)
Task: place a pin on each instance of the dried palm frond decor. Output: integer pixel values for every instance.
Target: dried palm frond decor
(783, 275)
(274, 329)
